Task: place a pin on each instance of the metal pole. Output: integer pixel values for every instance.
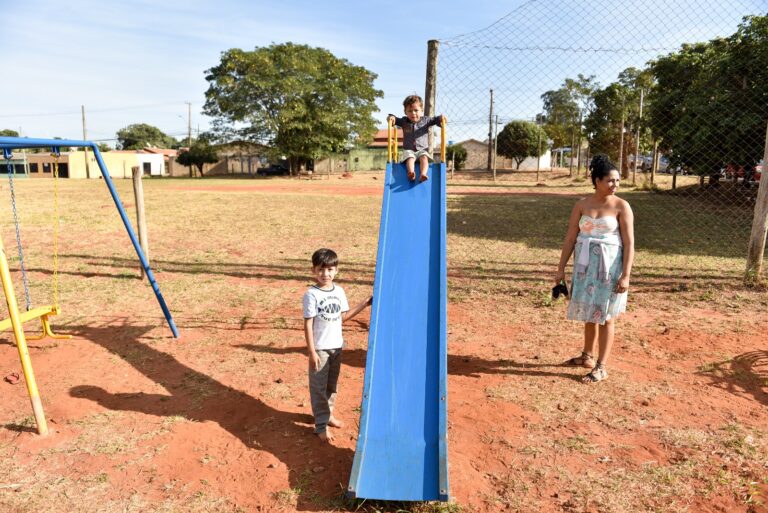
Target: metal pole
(134, 240)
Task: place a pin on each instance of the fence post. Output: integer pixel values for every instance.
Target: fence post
(141, 219)
(431, 86)
(759, 225)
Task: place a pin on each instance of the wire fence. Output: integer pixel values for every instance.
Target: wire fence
(673, 92)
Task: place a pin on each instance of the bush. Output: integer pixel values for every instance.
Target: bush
(457, 154)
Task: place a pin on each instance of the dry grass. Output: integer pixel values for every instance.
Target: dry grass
(233, 261)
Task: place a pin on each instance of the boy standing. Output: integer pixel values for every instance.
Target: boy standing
(415, 127)
(325, 308)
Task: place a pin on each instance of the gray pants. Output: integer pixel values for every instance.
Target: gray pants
(322, 386)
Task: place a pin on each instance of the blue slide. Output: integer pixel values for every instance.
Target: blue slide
(402, 451)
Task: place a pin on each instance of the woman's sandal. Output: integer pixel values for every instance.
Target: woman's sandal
(586, 360)
(598, 373)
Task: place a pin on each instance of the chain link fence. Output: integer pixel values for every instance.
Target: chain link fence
(673, 92)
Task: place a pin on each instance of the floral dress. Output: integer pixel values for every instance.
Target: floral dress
(598, 264)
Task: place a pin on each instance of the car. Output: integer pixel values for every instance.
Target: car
(280, 169)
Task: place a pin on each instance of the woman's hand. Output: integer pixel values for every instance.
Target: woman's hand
(623, 285)
(559, 276)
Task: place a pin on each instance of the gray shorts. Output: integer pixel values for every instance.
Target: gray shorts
(410, 154)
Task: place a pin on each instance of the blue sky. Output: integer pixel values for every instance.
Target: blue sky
(140, 61)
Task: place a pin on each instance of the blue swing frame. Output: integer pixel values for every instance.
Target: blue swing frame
(8, 144)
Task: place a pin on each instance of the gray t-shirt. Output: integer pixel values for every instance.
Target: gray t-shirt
(326, 307)
(416, 135)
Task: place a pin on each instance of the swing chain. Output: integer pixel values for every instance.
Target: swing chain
(24, 280)
(56, 153)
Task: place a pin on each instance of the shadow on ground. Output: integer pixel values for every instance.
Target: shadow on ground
(256, 424)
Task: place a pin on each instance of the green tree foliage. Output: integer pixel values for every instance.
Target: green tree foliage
(710, 103)
(141, 135)
(564, 107)
(8, 133)
(521, 139)
(199, 154)
(457, 154)
(304, 101)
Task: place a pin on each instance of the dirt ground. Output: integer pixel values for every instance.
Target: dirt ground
(219, 420)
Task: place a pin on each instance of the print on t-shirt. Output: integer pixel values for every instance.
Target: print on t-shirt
(329, 308)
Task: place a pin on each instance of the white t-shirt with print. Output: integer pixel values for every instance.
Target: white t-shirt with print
(326, 307)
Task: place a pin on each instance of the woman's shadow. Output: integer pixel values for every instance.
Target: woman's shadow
(200, 398)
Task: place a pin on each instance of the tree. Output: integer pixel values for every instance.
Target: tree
(709, 104)
(141, 135)
(199, 154)
(304, 101)
(564, 107)
(8, 133)
(457, 154)
(520, 139)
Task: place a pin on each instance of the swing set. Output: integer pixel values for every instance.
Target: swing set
(16, 319)
(43, 312)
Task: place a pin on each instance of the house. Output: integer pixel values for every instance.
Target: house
(477, 158)
(74, 164)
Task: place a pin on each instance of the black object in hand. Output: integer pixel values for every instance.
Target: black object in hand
(560, 288)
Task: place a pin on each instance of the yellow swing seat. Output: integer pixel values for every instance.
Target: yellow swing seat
(43, 312)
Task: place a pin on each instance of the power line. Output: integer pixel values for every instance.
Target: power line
(111, 109)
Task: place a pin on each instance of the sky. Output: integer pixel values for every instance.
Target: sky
(141, 62)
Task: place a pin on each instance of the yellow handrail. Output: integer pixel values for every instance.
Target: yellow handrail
(389, 141)
(442, 139)
(394, 147)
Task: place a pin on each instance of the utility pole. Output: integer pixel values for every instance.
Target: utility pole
(495, 138)
(189, 124)
(538, 154)
(85, 138)
(637, 139)
(490, 134)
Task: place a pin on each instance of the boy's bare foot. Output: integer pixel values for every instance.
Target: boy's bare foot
(411, 175)
(334, 422)
(326, 436)
(423, 177)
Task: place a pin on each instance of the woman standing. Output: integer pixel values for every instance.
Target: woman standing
(601, 234)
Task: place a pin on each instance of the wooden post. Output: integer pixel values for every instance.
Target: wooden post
(141, 220)
(655, 161)
(21, 344)
(759, 225)
(431, 86)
